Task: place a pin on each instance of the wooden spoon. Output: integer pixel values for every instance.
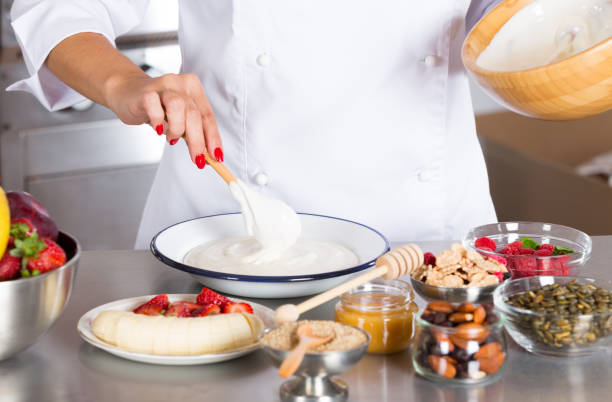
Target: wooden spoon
(220, 168)
(294, 359)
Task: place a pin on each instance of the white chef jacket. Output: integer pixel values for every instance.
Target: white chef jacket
(354, 109)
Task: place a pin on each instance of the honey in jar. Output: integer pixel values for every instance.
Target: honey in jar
(385, 309)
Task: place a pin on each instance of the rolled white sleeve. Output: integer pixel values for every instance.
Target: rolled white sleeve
(40, 25)
(477, 10)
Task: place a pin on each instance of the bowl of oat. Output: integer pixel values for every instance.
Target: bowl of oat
(459, 274)
(344, 349)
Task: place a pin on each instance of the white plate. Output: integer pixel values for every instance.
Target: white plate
(85, 322)
(171, 244)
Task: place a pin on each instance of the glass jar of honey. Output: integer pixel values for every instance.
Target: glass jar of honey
(383, 308)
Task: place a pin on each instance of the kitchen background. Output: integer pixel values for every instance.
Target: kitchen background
(93, 173)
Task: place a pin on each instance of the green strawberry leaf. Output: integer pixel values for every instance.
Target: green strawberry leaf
(19, 230)
(16, 252)
(529, 243)
(562, 250)
(25, 273)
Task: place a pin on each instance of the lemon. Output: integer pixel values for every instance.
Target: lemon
(5, 222)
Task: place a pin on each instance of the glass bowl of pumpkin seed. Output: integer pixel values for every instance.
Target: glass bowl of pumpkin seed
(557, 316)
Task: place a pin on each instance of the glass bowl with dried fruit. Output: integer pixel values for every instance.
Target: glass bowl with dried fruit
(459, 343)
(532, 248)
(557, 315)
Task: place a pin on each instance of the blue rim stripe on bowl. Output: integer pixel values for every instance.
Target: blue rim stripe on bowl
(253, 278)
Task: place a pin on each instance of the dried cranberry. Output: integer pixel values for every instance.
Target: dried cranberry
(439, 318)
(429, 317)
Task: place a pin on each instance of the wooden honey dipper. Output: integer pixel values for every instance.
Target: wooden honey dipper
(397, 262)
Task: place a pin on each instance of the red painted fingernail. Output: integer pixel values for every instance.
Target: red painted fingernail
(200, 161)
(219, 154)
(160, 129)
(174, 141)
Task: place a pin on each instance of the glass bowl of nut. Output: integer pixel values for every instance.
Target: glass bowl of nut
(459, 343)
(557, 316)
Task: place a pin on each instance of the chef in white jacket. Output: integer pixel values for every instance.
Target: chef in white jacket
(356, 109)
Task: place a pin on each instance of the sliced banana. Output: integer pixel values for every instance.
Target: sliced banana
(177, 336)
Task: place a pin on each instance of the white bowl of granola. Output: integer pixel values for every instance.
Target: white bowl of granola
(458, 275)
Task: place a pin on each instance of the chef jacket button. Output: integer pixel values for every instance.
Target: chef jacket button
(261, 179)
(424, 175)
(263, 60)
(431, 60)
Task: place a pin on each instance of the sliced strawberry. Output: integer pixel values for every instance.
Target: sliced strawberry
(9, 267)
(483, 242)
(48, 259)
(155, 306)
(208, 296)
(181, 309)
(207, 310)
(233, 307)
(526, 251)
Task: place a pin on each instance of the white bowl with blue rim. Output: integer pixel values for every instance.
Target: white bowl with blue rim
(172, 244)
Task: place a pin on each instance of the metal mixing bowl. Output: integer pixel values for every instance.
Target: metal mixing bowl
(313, 381)
(474, 294)
(31, 305)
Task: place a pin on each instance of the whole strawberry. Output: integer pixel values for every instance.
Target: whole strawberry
(9, 267)
(50, 258)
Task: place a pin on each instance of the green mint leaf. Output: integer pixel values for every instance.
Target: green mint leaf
(562, 250)
(529, 243)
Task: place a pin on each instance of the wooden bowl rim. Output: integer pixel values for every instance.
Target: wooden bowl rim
(470, 62)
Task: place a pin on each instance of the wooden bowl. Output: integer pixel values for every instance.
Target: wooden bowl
(573, 88)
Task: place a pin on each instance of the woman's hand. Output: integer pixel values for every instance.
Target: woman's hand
(174, 104)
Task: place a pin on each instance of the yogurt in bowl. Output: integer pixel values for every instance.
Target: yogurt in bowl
(547, 31)
(361, 243)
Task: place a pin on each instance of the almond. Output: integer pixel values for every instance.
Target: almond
(472, 331)
(489, 350)
(466, 307)
(443, 340)
(479, 315)
(449, 359)
(442, 366)
(440, 306)
(461, 317)
(491, 365)
(459, 342)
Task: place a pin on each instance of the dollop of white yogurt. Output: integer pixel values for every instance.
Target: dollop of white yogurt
(272, 222)
(547, 31)
(273, 246)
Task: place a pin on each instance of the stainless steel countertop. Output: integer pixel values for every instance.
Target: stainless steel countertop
(62, 367)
